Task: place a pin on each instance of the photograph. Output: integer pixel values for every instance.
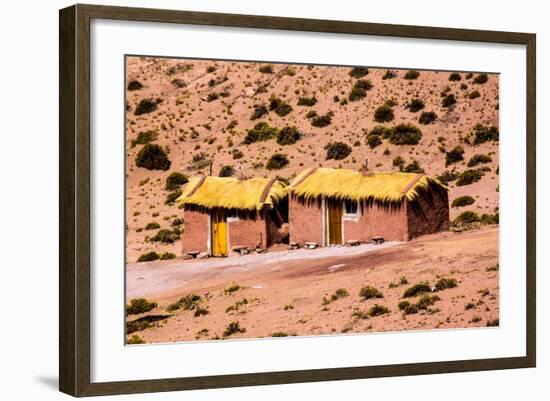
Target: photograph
(267, 199)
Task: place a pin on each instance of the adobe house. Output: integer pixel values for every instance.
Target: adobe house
(332, 206)
(222, 213)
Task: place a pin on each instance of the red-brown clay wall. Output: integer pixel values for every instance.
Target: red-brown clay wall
(429, 215)
(195, 232)
(247, 232)
(377, 221)
(305, 223)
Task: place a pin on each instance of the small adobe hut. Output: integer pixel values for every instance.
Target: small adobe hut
(221, 213)
(332, 206)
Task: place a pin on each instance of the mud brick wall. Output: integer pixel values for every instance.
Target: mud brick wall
(247, 232)
(195, 232)
(428, 214)
(376, 220)
(305, 222)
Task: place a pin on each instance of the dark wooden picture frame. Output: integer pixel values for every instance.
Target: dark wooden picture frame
(74, 202)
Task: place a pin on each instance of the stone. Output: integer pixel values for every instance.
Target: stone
(193, 254)
(202, 255)
(187, 256)
(352, 242)
(378, 240)
(261, 250)
(311, 245)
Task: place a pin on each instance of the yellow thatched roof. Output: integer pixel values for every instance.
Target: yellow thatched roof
(232, 193)
(353, 185)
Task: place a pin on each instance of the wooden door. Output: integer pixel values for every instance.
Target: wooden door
(334, 222)
(219, 234)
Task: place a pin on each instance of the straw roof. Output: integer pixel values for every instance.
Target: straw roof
(353, 185)
(231, 193)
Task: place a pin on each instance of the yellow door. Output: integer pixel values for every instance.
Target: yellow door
(334, 222)
(219, 234)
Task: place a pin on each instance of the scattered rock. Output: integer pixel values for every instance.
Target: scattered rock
(311, 245)
(352, 242)
(193, 254)
(378, 240)
(202, 255)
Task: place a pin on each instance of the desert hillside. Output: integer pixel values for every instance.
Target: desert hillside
(258, 119)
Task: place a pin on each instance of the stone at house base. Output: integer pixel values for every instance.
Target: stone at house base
(311, 245)
(353, 242)
(378, 240)
(186, 256)
(202, 255)
(243, 250)
(293, 245)
(193, 254)
(261, 250)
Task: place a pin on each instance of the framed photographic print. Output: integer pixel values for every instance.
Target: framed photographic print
(250, 200)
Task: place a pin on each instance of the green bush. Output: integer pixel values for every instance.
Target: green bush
(178, 221)
(389, 74)
(489, 218)
(139, 305)
(189, 301)
(266, 69)
(378, 310)
(455, 76)
(259, 111)
(417, 289)
(383, 114)
(454, 156)
(374, 141)
(165, 236)
(261, 132)
(405, 134)
(413, 167)
(237, 154)
(445, 283)
(474, 94)
(381, 131)
(227, 171)
(370, 292)
(280, 107)
(448, 100)
(359, 90)
(358, 72)
(152, 157)
(427, 117)
(322, 121)
(135, 339)
(462, 201)
(311, 114)
(144, 138)
(277, 162)
(233, 328)
(175, 180)
(468, 177)
(426, 300)
(481, 79)
(134, 85)
(403, 304)
(148, 257)
(168, 256)
(469, 75)
(145, 106)
(447, 177)
(466, 217)
(337, 151)
(288, 136)
(484, 134)
(152, 225)
(411, 74)
(479, 159)
(339, 293)
(307, 101)
(415, 105)
(398, 161)
(172, 196)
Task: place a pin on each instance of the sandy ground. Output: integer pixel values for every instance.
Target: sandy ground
(284, 294)
(188, 124)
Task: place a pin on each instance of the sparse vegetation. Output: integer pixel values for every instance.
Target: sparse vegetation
(152, 225)
(462, 201)
(307, 101)
(411, 74)
(146, 106)
(175, 180)
(172, 197)
(266, 69)
(417, 289)
(484, 134)
(145, 137)
(288, 136)
(359, 90)
(427, 117)
(135, 339)
(259, 111)
(370, 292)
(358, 72)
(481, 79)
(322, 121)
(233, 328)
(454, 156)
(227, 171)
(479, 159)
(261, 132)
(232, 288)
(448, 100)
(337, 151)
(413, 167)
(383, 114)
(415, 105)
(165, 236)
(373, 141)
(152, 157)
(447, 176)
(389, 74)
(405, 134)
(378, 310)
(134, 85)
(468, 177)
(148, 257)
(280, 107)
(455, 76)
(140, 305)
(277, 161)
(474, 94)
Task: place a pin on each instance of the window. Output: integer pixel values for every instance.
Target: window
(350, 207)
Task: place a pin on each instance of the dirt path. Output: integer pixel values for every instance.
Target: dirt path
(286, 297)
